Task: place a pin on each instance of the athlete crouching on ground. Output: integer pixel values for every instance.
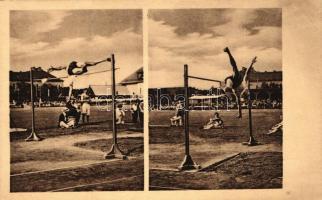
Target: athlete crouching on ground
(214, 122)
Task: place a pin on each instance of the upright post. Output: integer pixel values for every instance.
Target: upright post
(40, 100)
(48, 94)
(158, 99)
(187, 163)
(33, 135)
(115, 151)
(251, 141)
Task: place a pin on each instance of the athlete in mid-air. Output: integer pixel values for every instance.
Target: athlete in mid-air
(73, 70)
(237, 83)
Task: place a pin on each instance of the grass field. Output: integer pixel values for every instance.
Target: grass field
(46, 122)
(47, 117)
(249, 167)
(73, 159)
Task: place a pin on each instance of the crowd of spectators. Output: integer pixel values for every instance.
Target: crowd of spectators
(256, 104)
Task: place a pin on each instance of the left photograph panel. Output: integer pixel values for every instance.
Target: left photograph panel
(76, 100)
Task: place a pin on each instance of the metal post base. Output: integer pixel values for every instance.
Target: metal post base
(33, 137)
(188, 164)
(251, 142)
(115, 152)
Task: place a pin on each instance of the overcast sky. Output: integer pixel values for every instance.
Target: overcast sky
(45, 38)
(197, 37)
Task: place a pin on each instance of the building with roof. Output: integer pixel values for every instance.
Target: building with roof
(129, 88)
(20, 86)
(38, 74)
(257, 79)
(266, 85)
(134, 83)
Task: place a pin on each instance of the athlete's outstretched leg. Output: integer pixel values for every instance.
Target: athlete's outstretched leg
(245, 91)
(232, 62)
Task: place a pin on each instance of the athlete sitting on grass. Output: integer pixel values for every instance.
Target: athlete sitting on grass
(66, 121)
(73, 70)
(69, 118)
(277, 128)
(238, 81)
(62, 120)
(214, 122)
(176, 120)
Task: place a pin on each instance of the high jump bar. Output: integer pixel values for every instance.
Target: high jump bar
(204, 79)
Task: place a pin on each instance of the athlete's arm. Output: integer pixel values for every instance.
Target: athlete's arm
(248, 69)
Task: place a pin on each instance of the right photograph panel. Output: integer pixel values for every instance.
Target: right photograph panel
(215, 99)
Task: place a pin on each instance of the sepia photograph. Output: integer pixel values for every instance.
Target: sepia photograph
(163, 99)
(76, 100)
(215, 99)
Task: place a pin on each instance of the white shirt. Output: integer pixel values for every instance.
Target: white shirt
(86, 109)
(119, 113)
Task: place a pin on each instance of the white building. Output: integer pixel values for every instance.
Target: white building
(134, 83)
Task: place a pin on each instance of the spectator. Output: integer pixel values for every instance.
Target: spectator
(120, 114)
(176, 120)
(134, 111)
(84, 95)
(86, 111)
(141, 113)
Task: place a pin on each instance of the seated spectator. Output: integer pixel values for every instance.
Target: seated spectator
(120, 114)
(214, 122)
(64, 121)
(73, 112)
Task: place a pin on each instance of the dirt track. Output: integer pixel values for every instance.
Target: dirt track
(63, 163)
(248, 171)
